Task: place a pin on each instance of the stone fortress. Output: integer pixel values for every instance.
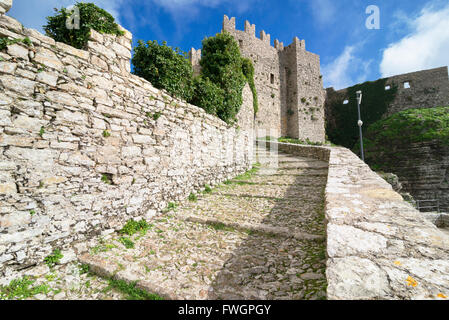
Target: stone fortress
(288, 82)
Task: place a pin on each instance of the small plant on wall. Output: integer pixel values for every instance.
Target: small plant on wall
(90, 17)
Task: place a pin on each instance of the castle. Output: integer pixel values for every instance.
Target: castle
(288, 82)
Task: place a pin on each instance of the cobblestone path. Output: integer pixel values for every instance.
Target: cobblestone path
(258, 236)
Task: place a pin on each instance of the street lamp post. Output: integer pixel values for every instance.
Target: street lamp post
(360, 123)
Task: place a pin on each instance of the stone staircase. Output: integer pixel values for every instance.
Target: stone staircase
(258, 236)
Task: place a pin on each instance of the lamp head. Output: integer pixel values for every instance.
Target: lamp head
(359, 96)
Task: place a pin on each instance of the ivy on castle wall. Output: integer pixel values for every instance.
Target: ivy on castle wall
(221, 62)
(341, 119)
(248, 72)
(90, 17)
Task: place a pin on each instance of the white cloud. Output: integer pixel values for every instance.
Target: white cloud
(33, 13)
(323, 11)
(426, 47)
(346, 70)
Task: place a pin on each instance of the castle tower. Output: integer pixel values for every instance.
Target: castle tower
(195, 57)
(288, 82)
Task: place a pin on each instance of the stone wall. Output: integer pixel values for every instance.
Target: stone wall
(425, 89)
(288, 83)
(422, 168)
(378, 246)
(85, 145)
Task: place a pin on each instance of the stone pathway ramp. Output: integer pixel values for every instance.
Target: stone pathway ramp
(259, 236)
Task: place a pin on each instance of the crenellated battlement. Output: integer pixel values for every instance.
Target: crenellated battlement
(228, 24)
(265, 37)
(250, 29)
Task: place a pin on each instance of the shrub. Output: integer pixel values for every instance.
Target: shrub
(164, 67)
(193, 197)
(53, 259)
(91, 17)
(207, 95)
(132, 227)
(222, 64)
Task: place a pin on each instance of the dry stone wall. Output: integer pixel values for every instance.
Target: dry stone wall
(85, 145)
(378, 245)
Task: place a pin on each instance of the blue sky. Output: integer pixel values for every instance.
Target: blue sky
(413, 34)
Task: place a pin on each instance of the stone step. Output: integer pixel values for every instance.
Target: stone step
(295, 192)
(179, 259)
(284, 217)
(293, 171)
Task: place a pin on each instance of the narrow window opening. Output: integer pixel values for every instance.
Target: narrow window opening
(272, 79)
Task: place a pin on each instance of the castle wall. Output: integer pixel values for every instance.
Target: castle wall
(427, 89)
(266, 75)
(284, 77)
(85, 145)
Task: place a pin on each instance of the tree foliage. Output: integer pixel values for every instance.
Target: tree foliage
(207, 95)
(164, 67)
(221, 62)
(91, 17)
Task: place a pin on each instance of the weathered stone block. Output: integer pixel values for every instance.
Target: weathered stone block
(5, 5)
(48, 78)
(22, 86)
(29, 124)
(130, 152)
(73, 51)
(61, 98)
(7, 67)
(10, 23)
(8, 188)
(18, 51)
(49, 59)
(143, 139)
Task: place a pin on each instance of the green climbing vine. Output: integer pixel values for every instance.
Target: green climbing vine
(248, 72)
